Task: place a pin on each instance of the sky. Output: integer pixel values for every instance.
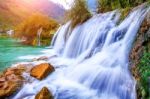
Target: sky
(65, 3)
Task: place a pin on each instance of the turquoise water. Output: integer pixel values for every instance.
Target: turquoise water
(11, 50)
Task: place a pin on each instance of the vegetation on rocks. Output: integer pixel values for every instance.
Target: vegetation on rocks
(109, 5)
(28, 29)
(78, 13)
(125, 6)
(139, 58)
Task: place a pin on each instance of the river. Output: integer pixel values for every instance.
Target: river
(11, 52)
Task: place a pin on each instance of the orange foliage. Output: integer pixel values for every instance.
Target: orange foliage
(29, 27)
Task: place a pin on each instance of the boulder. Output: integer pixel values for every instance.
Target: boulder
(44, 94)
(41, 71)
(11, 81)
(7, 88)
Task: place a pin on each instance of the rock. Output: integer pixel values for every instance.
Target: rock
(2, 79)
(25, 67)
(15, 78)
(44, 94)
(41, 58)
(11, 81)
(8, 88)
(42, 70)
(8, 72)
(14, 70)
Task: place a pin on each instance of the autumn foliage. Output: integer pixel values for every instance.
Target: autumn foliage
(29, 27)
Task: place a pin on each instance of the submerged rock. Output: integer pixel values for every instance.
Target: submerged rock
(42, 70)
(44, 94)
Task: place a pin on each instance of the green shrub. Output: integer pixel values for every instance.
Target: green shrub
(109, 5)
(144, 70)
(78, 13)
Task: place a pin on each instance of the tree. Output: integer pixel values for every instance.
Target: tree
(29, 27)
(78, 13)
(109, 5)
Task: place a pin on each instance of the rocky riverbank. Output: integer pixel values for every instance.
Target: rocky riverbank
(141, 44)
(12, 79)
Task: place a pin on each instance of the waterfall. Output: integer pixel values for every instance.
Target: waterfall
(93, 59)
(10, 33)
(39, 36)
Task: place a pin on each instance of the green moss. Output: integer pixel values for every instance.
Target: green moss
(144, 70)
(124, 13)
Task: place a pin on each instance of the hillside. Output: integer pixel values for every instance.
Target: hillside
(14, 11)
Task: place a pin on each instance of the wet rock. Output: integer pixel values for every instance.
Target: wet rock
(42, 70)
(2, 79)
(25, 67)
(7, 88)
(41, 58)
(15, 78)
(14, 70)
(44, 94)
(8, 72)
(11, 81)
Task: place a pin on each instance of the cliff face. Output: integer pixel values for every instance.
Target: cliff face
(141, 45)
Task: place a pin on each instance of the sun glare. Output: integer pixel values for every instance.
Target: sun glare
(30, 1)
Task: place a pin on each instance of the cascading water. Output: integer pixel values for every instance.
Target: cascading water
(39, 36)
(98, 51)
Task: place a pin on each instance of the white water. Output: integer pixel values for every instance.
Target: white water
(39, 36)
(92, 60)
(10, 33)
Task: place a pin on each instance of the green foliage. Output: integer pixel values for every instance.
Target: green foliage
(78, 13)
(124, 13)
(108, 5)
(144, 70)
(29, 27)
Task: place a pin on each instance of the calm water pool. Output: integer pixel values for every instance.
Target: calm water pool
(11, 50)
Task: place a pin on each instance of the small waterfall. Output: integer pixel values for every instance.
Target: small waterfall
(98, 52)
(10, 33)
(62, 33)
(39, 36)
